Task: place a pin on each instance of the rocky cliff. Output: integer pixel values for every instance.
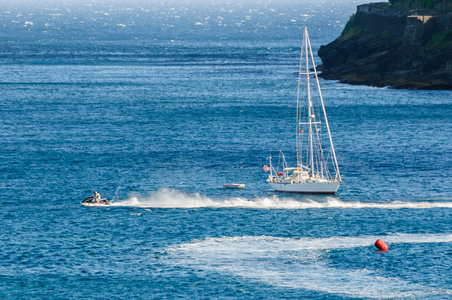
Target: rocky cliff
(386, 45)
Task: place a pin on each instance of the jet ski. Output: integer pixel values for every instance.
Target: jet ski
(91, 201)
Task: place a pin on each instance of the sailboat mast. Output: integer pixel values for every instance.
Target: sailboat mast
(300, 93)
(310, 108)
(298, 134)
(338, 174)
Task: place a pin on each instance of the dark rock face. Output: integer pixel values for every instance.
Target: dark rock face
(383, 46)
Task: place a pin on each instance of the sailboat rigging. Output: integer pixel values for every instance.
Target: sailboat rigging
(317, 170)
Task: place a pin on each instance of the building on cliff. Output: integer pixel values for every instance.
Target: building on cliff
(439, 5)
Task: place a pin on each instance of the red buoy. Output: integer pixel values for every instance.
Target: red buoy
(381, 245)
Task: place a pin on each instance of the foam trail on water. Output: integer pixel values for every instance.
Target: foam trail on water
(171, 198)
(300, 264)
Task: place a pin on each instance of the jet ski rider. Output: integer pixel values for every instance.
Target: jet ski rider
(96, 196)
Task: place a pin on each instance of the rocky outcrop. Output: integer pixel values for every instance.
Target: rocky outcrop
(383, 45)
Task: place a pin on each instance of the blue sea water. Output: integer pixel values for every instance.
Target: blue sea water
(170, 100)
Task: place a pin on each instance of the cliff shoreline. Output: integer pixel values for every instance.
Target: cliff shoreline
(383, 45)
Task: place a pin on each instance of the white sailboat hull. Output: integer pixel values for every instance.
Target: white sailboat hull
(327, 187)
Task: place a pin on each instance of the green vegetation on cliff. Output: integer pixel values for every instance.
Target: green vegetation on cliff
(441, 39)
(350, 30)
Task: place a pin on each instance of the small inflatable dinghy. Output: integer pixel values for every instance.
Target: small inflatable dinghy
(234, 186)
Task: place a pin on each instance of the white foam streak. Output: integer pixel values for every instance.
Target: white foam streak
(171, 198)
(300, 264)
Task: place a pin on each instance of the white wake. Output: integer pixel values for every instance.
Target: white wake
(299, 264)
(171, 198)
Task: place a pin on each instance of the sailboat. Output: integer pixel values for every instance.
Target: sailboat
(317, 171)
